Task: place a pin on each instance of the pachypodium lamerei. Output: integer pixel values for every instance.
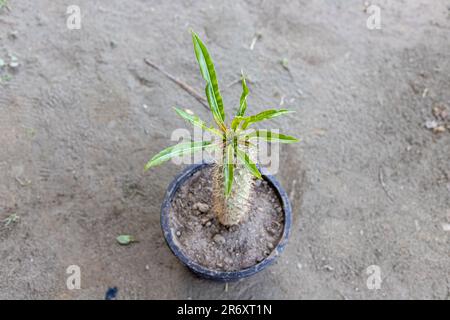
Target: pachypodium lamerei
(234, 171)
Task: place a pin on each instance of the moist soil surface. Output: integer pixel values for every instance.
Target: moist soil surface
(203, 239)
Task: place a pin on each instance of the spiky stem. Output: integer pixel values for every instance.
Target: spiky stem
(233, 209)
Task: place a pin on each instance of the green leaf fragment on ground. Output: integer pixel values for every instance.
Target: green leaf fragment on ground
(125, 239)
(13, 218)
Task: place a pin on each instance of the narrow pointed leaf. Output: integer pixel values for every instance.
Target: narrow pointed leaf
(209, 74)
(176, 150)
(270, 136)
(243, 101)
(265, 115)
(248, 163)
(228, 169)
(212, 102)
(196, 121)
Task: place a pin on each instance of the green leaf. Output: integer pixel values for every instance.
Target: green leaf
(12, 218)
(125, 239)
(212, 102)
(265, 115)
(209, 74)
(243, 101)
(236, 121)
(228, 169)
(270, 136)
(196, 121)
(248, 163)
(176, 150)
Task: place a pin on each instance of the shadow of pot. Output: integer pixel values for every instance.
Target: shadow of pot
(217, 275)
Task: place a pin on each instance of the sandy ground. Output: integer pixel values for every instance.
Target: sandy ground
(80, 116)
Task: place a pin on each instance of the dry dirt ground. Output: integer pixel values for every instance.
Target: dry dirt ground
(82, 113)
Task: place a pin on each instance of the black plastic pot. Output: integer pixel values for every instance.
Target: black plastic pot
(215, 274)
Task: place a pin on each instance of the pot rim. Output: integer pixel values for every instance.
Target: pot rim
(217, 274)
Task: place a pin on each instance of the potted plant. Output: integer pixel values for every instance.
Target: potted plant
(225, 220)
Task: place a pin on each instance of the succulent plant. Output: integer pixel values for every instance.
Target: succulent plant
(235, 170)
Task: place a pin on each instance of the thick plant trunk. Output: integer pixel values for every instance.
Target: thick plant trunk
(232, 209)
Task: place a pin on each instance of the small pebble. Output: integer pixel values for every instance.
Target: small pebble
(440, 112)
(431, 124)
(178, 233)
(228, 260)
(14, 64)
(208, 224)
(439, 129)
(328, 267)
(270, 245)
(205, 220)
(202, 207)
(219, 239)
(270, 231)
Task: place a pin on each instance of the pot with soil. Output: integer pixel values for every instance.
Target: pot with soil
(213, 250)
(225, 220)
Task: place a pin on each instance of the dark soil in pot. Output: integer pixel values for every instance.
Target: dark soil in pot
(203, 239)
